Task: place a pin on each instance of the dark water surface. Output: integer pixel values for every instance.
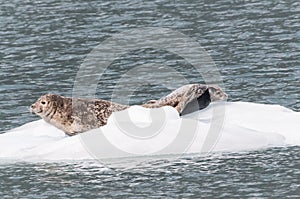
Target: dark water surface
(254, 44)
(237, 175)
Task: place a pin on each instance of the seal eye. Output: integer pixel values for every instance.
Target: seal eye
(43, 102)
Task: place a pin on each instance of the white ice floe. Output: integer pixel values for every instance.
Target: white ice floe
(223, 126)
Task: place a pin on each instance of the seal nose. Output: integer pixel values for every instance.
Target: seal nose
(226, 96)
(31, 108)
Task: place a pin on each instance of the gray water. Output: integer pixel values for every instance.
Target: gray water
(254, 44)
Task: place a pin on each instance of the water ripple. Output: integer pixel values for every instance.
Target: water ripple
(255, 45)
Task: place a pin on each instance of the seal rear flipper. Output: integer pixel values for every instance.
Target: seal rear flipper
(71, 133)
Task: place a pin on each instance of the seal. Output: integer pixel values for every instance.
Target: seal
(74, 116)
(183, 99)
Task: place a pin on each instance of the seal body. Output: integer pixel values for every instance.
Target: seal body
(74, 115)
(189, 98)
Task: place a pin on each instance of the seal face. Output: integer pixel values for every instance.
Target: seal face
(74, 116)
(216, 93)
(47, 106)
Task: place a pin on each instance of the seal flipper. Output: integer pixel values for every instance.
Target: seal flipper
(197, 104)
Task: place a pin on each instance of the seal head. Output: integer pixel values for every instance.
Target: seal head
(216, 93)
(47, 106)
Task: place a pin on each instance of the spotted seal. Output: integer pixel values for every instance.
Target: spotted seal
(74, 115)
(184, 98)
